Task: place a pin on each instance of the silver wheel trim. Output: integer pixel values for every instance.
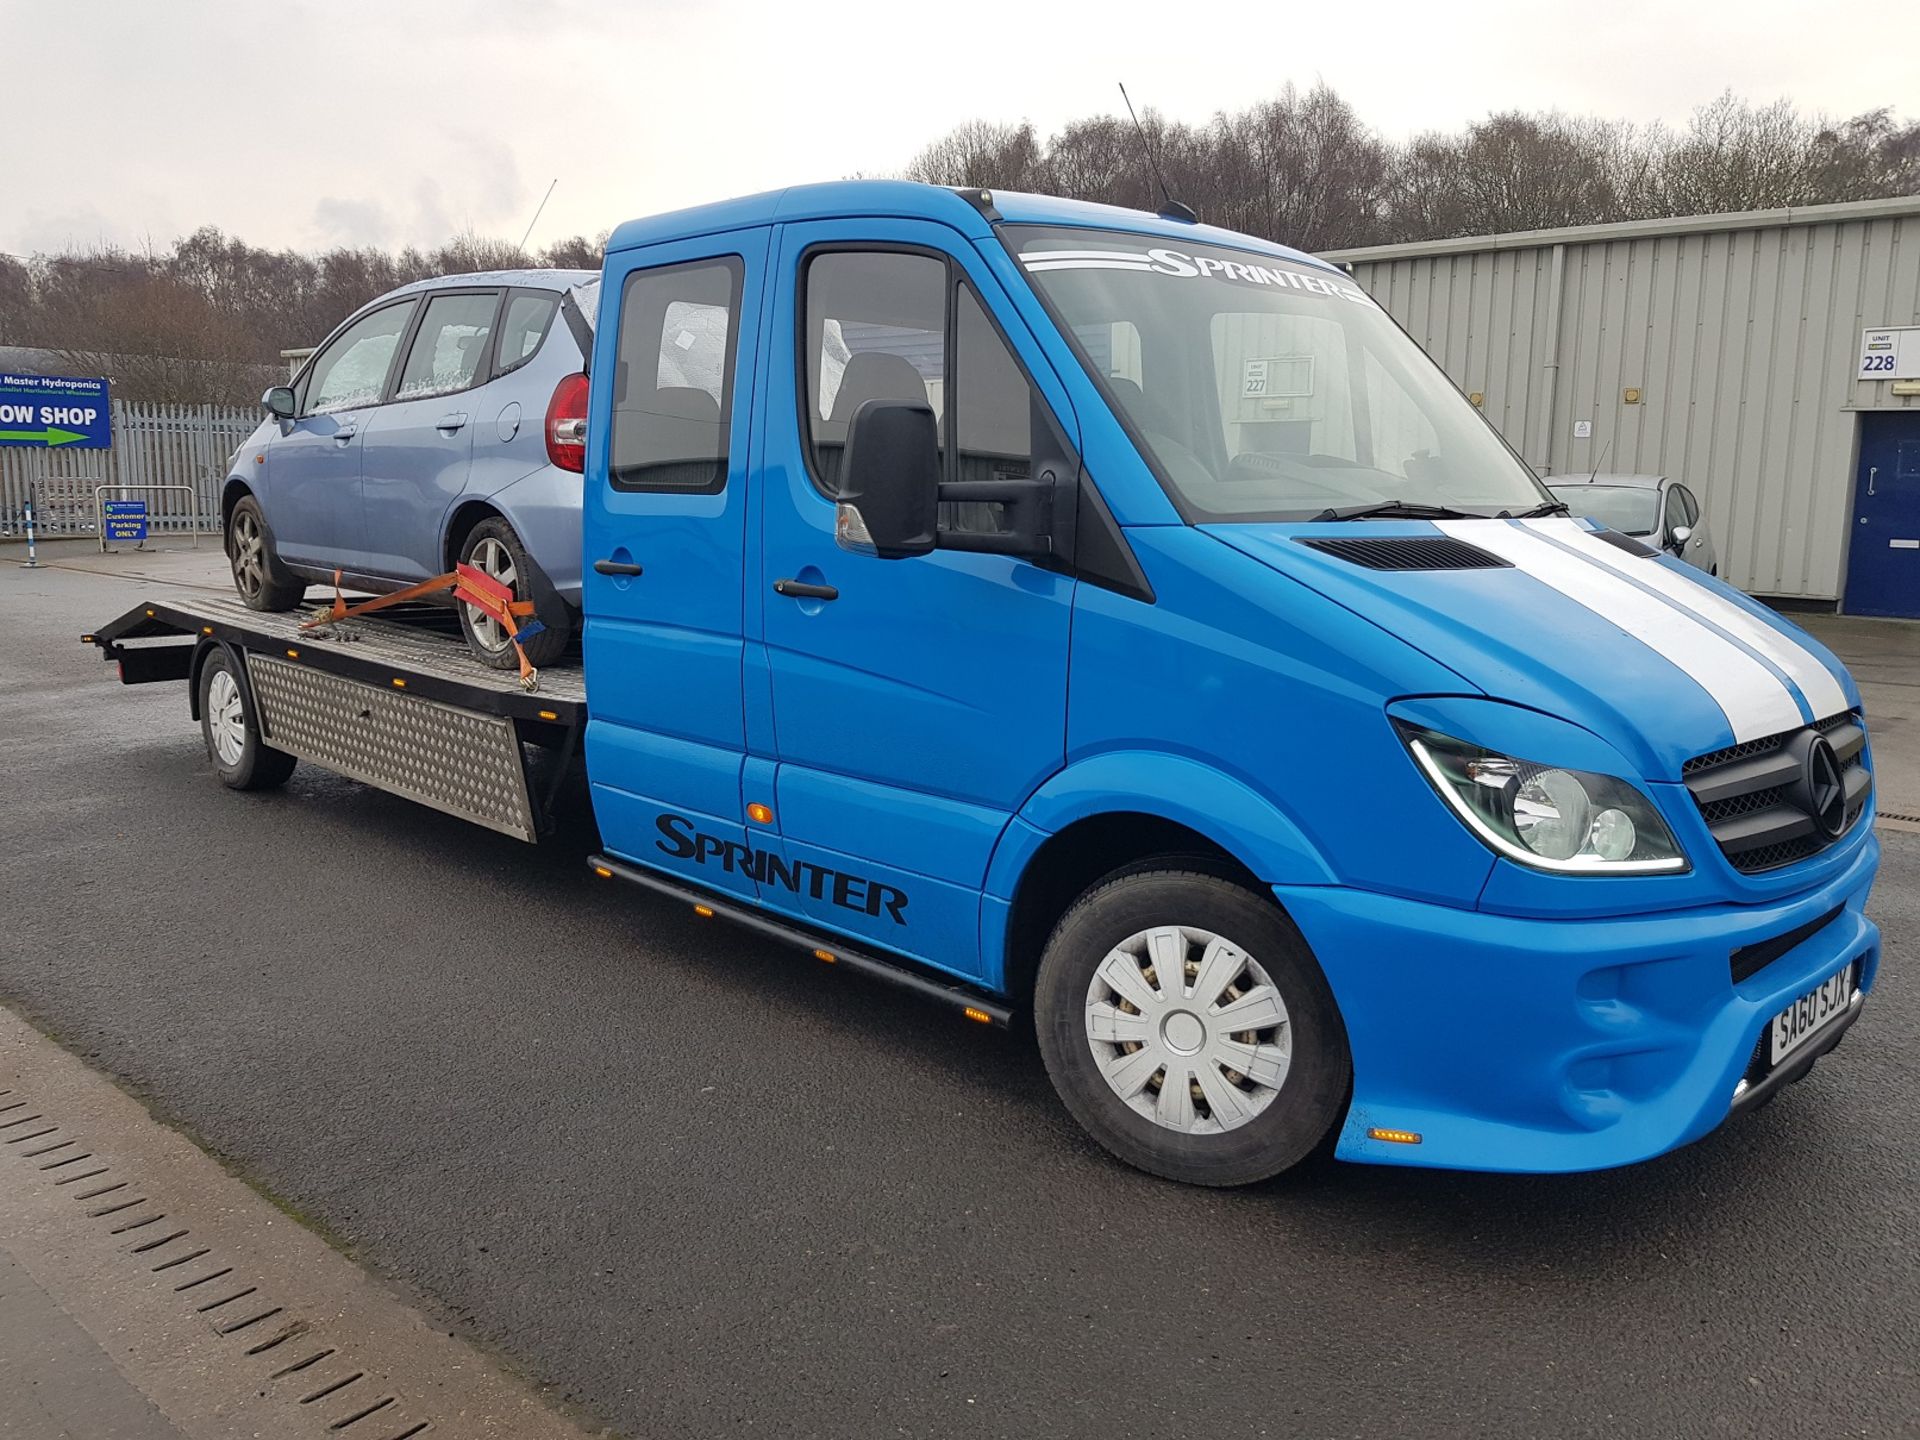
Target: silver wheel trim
(248, 552)
(491, 557)
(1188, 1029)
(226, 720)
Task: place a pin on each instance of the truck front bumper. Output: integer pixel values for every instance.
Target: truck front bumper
(1534, 1045)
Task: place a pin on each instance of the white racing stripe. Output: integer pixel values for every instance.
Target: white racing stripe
(1748, 694)
(1815, 680)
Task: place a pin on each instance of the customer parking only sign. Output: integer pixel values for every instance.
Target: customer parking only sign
(55, 412)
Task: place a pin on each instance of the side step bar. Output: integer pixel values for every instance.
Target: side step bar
(975, 1005)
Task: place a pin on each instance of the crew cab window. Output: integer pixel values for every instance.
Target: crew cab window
(673, 377)
(352, 371)
(529, 314)
(876, 330)
(449, 346)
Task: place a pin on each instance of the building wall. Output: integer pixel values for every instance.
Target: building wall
(1741, 334)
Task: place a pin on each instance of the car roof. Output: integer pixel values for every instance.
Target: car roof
(962, 209)
(531, 278)
(1632, 482)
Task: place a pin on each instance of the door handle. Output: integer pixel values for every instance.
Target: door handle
(450, 423)
(617, 567)
(801, 590)
(345, 433)
(1872, 470)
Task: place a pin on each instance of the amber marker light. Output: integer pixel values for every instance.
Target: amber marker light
(206, 629)
(980, 1015)
(293, 654)
(705, 912)
(398, 683)
(826, 955)
(603, 872)
(759, 814)
(1395, 1137)
(549, 714)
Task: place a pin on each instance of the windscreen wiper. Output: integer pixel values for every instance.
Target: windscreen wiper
(1398, 510)
(1550, 507)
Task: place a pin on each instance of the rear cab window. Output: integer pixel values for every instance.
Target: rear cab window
(673, 377)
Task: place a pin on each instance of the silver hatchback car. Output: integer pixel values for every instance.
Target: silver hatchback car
(1653, 508)
(444, 422)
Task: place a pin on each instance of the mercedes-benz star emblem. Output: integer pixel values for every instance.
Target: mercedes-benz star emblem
(1823, 793)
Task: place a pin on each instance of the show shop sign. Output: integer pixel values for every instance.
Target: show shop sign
(55, 412)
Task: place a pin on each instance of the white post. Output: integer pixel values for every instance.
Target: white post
(32, 562)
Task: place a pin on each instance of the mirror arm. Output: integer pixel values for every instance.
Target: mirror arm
(1035, 528)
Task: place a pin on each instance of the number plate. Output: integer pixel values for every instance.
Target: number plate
(1812, 1013)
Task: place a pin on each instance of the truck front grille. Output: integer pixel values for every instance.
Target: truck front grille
(1759, 802)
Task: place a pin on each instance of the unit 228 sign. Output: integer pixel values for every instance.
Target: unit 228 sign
(1890, 354)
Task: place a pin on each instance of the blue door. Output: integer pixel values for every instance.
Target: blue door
(415, 450)
(312, 498)
(1883, 556)
(916, 708)
(665, 525)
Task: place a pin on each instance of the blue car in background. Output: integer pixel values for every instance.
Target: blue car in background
(443, 422)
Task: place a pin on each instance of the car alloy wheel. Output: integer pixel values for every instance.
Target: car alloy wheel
(491, 558)
(247, 549)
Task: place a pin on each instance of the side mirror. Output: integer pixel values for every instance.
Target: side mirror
(279, 402)
(1679, 535)
(890, 480)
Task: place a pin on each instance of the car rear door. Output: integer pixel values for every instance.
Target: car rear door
(416, 448)
(311, 495)
(665, 529)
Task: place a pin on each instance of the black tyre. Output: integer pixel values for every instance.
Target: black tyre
(240, 757)
(1230, 1076)
(263, 582)
(492, 548)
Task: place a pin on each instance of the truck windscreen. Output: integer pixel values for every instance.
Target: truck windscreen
(1263, 389)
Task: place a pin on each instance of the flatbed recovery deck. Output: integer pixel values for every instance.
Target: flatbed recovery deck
(395, 700)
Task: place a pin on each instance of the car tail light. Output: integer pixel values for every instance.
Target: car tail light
(567, 424)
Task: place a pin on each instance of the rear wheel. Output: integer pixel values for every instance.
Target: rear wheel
(262, 582)
(1188, 1027)
(494, 550)
(241, 758)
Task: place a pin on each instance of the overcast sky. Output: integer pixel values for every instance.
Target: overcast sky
(310, 123)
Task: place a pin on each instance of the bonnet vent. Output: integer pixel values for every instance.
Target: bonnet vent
(1410, 552)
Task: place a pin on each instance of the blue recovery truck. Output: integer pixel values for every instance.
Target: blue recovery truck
(1099, 618)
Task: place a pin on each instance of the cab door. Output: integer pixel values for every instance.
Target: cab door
(665, 535)
(916, 702)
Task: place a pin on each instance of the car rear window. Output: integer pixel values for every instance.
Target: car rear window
(529, 316)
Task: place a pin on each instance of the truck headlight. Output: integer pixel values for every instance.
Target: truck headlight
(1572, 822)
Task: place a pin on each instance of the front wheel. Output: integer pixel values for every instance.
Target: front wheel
(241, 758)
(259, 578)
(1188, 1027)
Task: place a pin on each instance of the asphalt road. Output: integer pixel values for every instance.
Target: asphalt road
(705, 1187)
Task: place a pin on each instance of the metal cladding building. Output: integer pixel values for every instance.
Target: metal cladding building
(1770, 360)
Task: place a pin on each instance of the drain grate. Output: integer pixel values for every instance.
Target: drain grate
(358, 1411)
(1900, 815)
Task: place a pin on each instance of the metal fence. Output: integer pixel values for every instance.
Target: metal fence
(153, 445)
